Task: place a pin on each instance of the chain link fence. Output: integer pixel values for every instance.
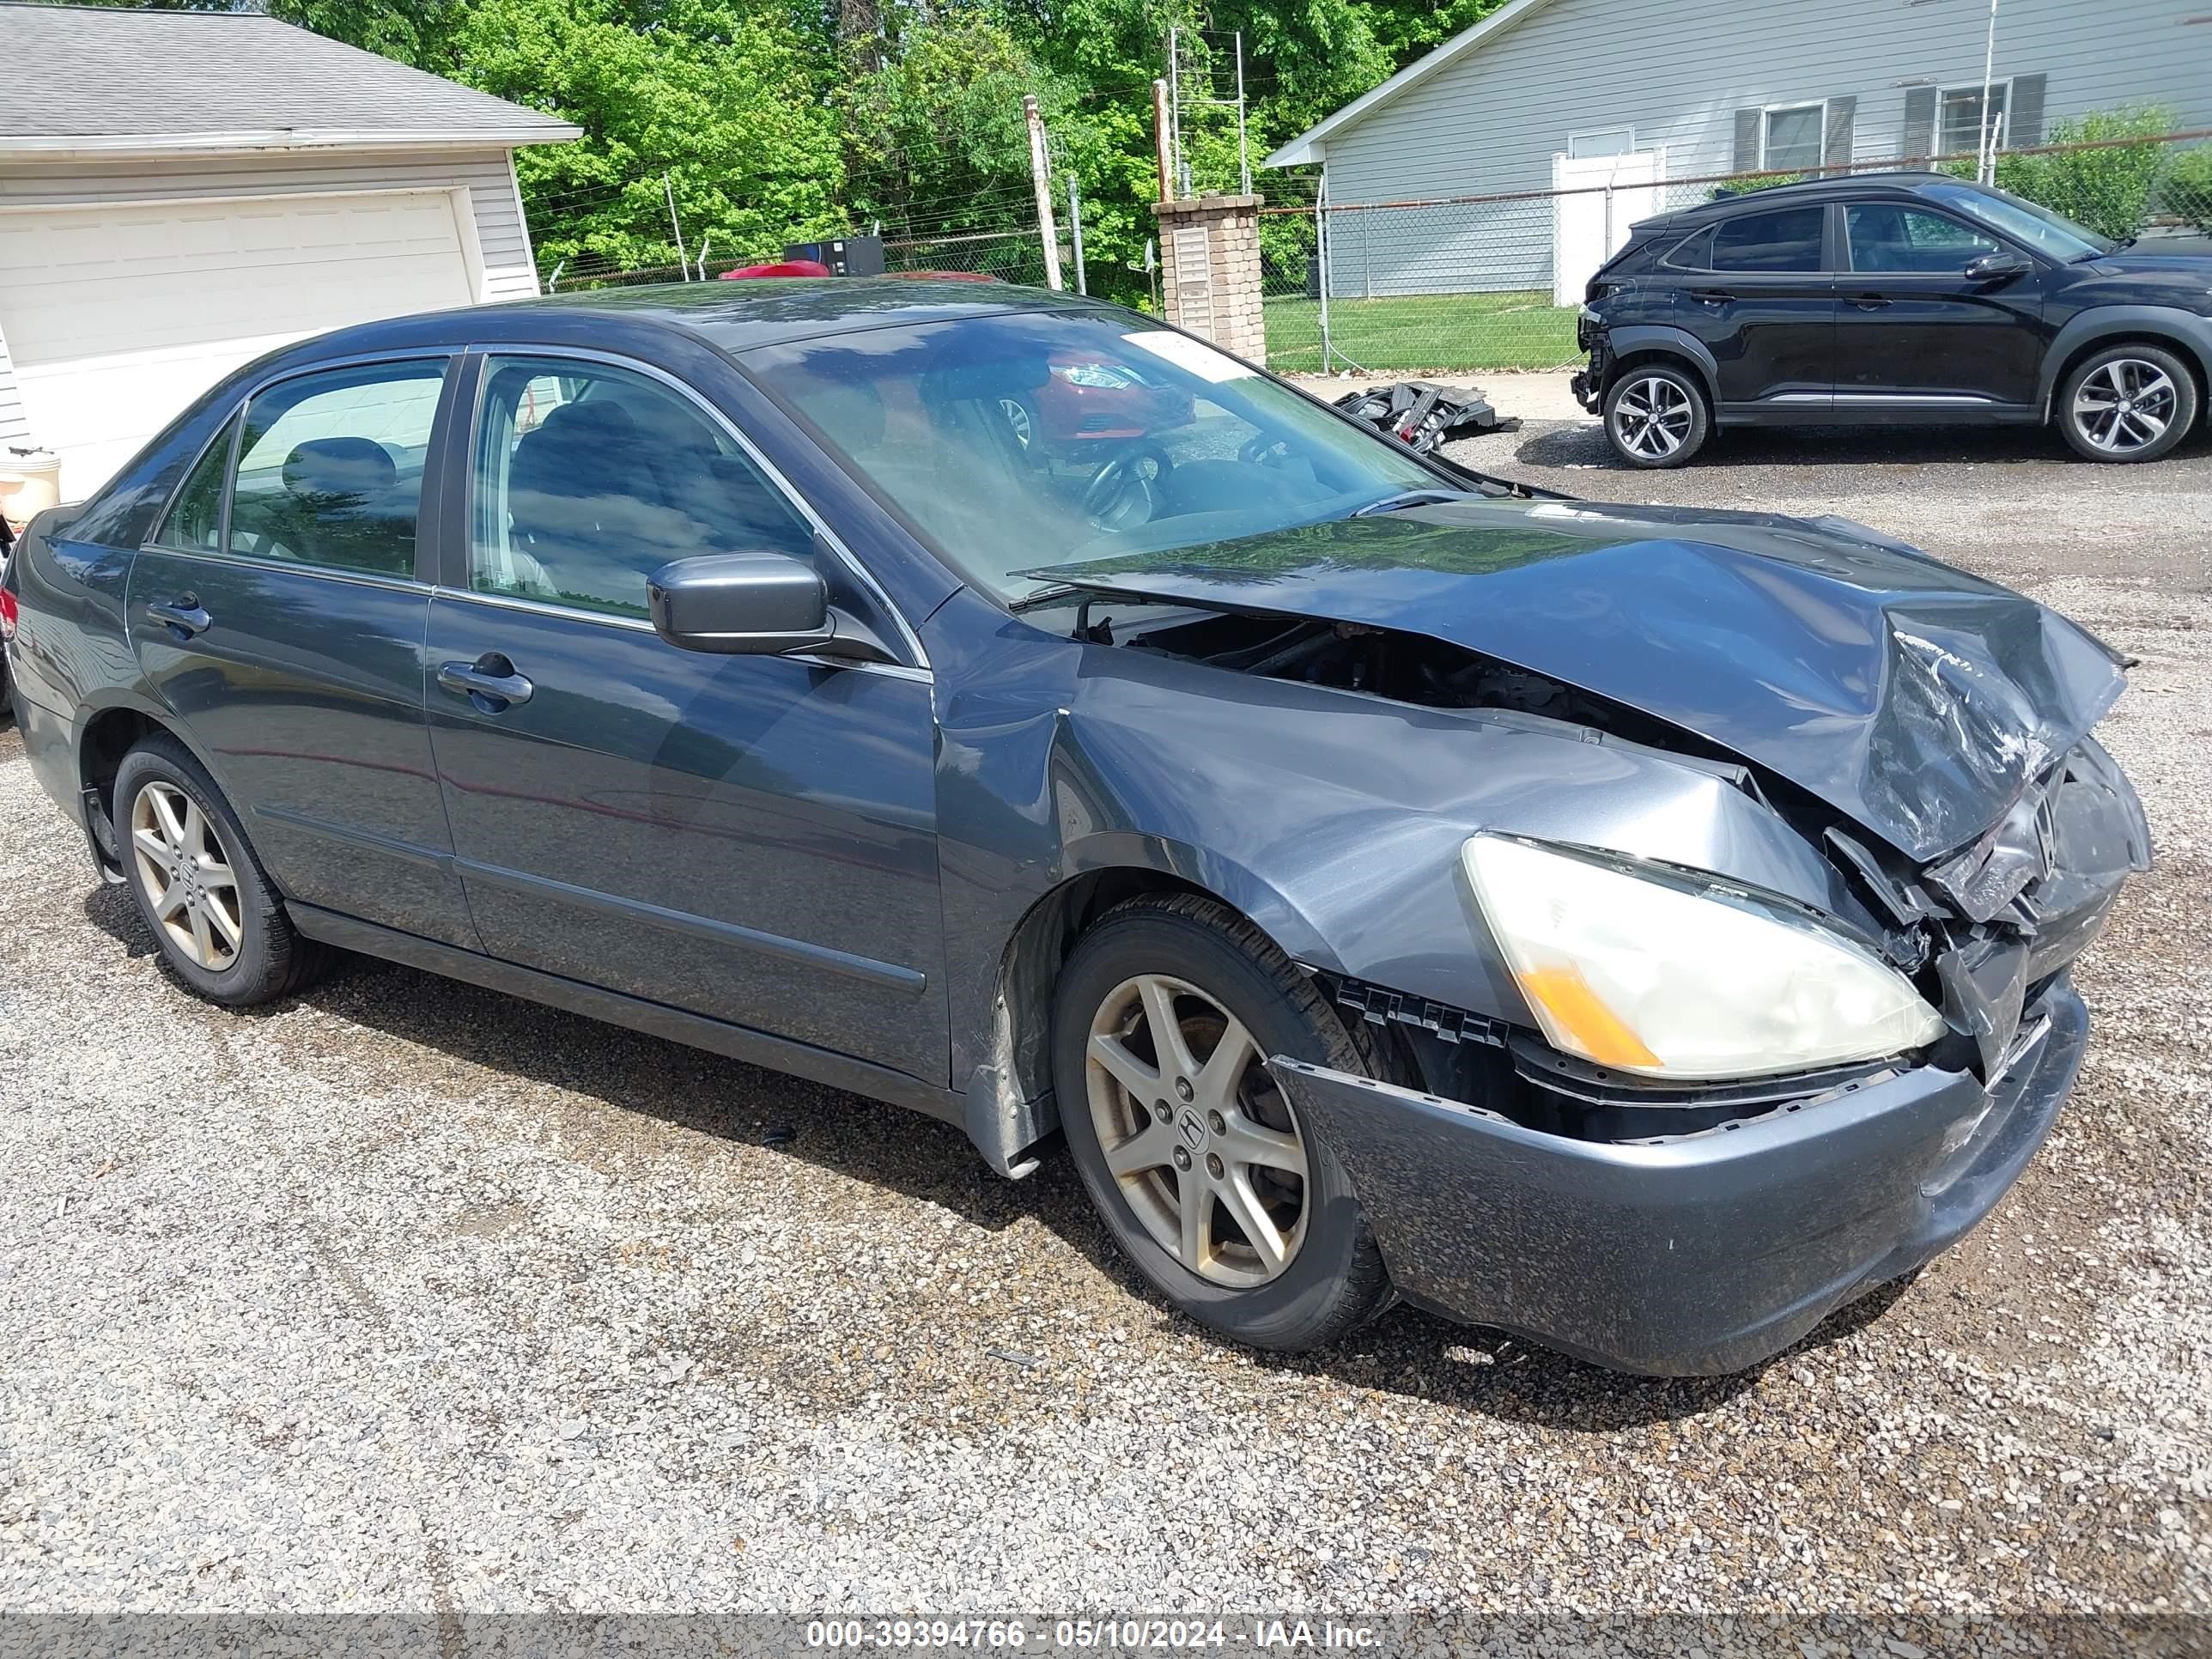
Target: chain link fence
(1464, 282)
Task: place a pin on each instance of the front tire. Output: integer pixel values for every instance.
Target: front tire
(2127, 403)
(1240, 1214)
(218, 921)
(1657, 415)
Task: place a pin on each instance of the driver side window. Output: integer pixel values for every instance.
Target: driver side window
(588, 479)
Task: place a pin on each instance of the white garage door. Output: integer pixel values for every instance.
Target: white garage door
(118, 317)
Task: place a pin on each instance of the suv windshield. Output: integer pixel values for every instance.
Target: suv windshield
(1018, 440)
(2053, 234)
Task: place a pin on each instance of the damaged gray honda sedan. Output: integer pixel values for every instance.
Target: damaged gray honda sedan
(1643, 930)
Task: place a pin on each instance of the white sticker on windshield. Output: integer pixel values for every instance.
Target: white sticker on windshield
(1200, 358)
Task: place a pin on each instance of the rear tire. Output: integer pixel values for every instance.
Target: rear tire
(2126, 404)
(218, 921)
(1241, 1215)
(1657, 415)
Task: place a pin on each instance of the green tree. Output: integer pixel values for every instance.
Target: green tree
(2107, 189)
(718, 99)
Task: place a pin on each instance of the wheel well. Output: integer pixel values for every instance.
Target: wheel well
(1029, 971)
(1674, 360)
(2179, 348)
(108, 736)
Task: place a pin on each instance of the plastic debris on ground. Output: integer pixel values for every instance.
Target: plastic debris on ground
(1425, 415)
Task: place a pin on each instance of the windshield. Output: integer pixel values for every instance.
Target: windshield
(2053, 234)
(1019, 439)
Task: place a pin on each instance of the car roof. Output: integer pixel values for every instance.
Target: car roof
(734, 317)
(1847, 188)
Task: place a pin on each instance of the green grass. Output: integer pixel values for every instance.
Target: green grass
(1521, 330)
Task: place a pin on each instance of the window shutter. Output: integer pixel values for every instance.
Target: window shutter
(2024, 112)
(1919, 122)
(1747, 140)
(1836, 145)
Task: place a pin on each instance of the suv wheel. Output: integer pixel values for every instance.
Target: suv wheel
(202, 894)
(1657, 415)
(2128, 402)
(1238, 1213)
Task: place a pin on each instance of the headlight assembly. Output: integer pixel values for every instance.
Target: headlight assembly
(1656, 975)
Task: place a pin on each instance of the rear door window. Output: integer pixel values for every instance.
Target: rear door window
(1786, 239)
(330, 468)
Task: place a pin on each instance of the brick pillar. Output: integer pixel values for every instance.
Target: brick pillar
(1210, 271)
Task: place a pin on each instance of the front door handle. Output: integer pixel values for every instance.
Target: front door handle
(182, 615)
(489, 683)
(1870, 301)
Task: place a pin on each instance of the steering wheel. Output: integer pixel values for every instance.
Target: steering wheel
(1118, 483)
(1262, 450)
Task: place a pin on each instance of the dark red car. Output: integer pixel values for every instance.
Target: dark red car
(1094, 399)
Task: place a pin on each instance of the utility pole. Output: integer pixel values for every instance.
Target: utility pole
(1985, 163)
(1040, 175)
(1244, 155)
(1321, 252)
(676, 225)
(1160, 144)
(1075, 233)
(1174, 115)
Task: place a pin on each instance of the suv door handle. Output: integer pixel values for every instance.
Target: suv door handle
(1711, 296)
(1870, 301)
(182, 615)
(489, 683)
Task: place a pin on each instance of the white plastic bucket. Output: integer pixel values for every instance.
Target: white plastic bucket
(30, 482)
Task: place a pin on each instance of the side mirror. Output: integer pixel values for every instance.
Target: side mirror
(759, 605)
(2002, 266)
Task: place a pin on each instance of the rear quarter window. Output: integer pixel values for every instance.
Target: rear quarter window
(1693, 252)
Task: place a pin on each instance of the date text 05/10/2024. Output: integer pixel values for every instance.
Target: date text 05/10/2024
(1128, 1635)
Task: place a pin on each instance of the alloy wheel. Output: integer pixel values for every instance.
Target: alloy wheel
(186, 875)
(2125, 405)
(1018, 420)
(1201, 1142)
(1652, 418)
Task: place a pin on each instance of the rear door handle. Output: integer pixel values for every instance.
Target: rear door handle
(181, 615)
(489, 683)
(1870, 301)
(1711, 296)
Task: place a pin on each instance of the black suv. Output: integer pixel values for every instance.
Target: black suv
(1894, 299)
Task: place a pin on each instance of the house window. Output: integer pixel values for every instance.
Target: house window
(1792, 138)
(1604, 141)
(1959, 113)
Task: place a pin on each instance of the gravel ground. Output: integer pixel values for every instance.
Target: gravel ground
(404, 1297)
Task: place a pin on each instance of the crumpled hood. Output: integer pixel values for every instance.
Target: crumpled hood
(1915, 698)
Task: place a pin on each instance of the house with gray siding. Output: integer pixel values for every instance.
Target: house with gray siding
(183, 190)
(1546, 94)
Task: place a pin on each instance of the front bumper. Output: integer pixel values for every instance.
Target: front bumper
(1588, 382)
(1698, 1256)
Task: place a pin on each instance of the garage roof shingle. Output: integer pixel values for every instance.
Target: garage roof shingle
(112, 78)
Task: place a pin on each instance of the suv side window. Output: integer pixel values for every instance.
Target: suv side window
(330, 468)
(1786, 239)
(1888, 236)
(587, 478)
(1693, 252)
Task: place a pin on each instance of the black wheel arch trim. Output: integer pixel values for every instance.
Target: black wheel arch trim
(2169, 325)
(1624, 343)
